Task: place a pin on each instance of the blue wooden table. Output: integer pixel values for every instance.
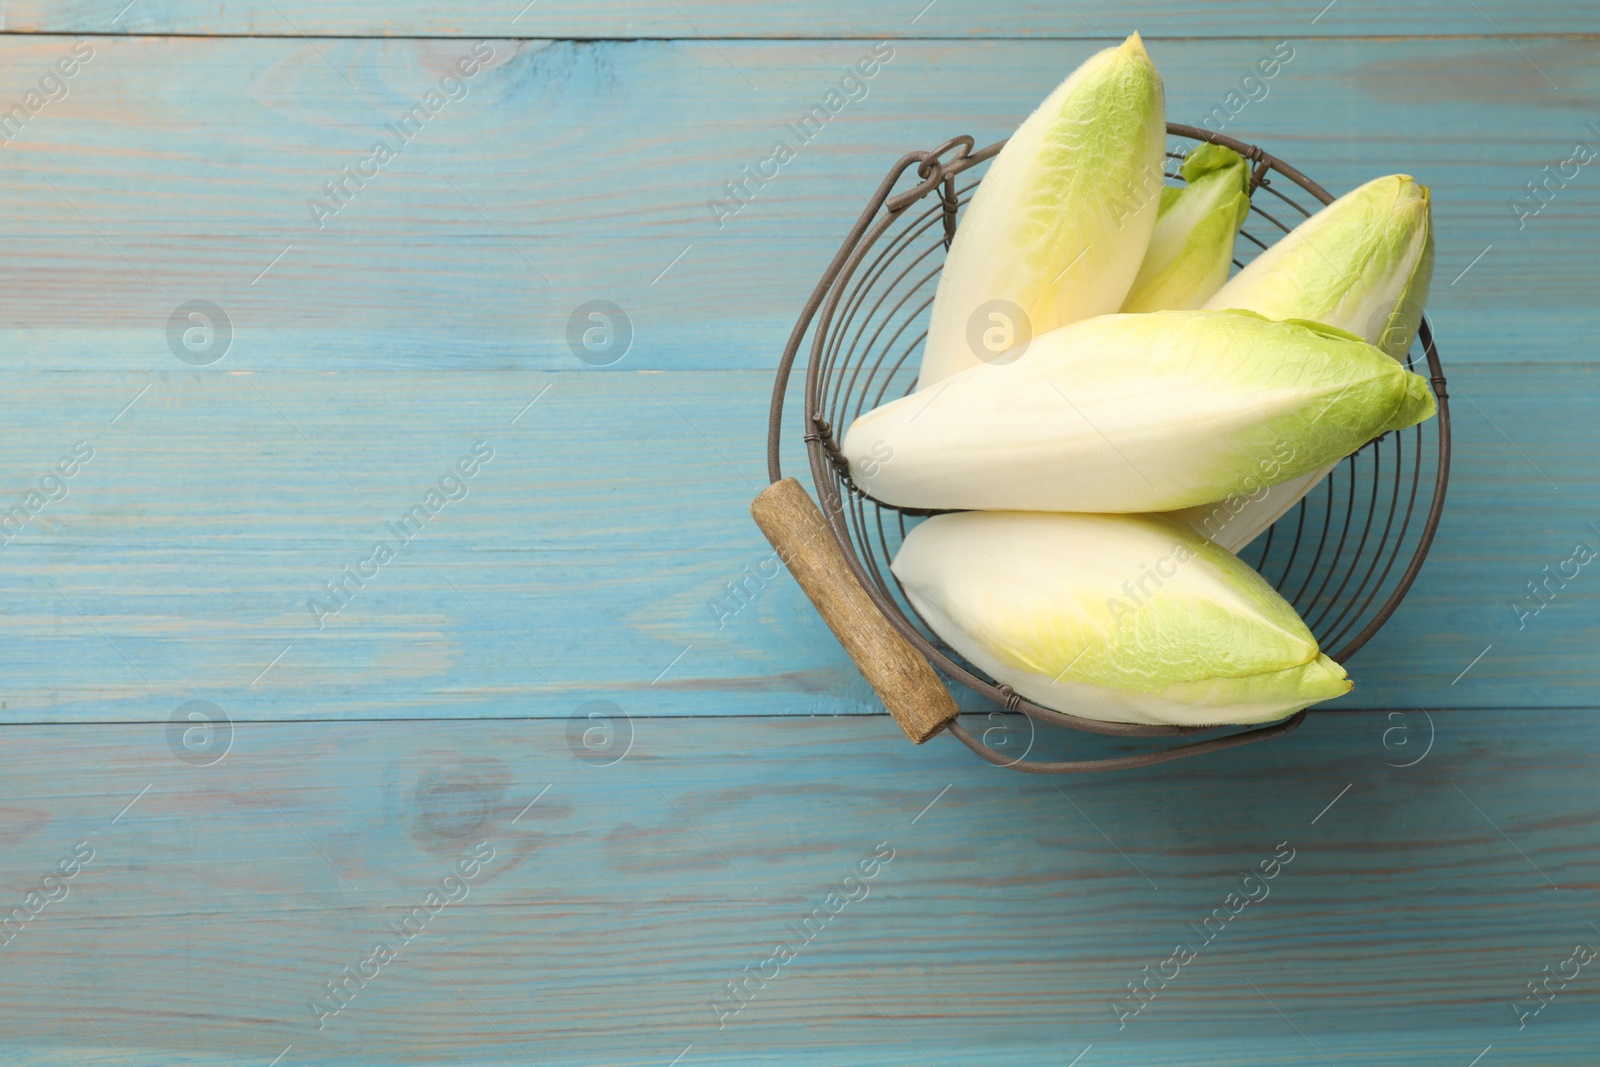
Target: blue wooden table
(517, 790)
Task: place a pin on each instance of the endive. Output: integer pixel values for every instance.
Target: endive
(1059, 224)
(1362, 264)
(1191, 248)
(1111, 617)
(1129, 413)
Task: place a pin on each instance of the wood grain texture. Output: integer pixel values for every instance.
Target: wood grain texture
(791, 18)
(620, 903)
(592, 556)
(689, 783)
(179, 169)
(377, 349)
(899, 675)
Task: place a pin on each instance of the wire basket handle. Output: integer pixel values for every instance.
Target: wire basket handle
(898, 673)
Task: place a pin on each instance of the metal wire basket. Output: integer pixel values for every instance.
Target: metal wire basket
(1344, 557)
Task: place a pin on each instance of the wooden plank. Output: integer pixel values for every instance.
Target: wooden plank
(181, 169)
(789, 18)
(621, 900)
(585, 559)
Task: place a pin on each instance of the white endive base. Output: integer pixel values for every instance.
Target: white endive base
(1235, 522)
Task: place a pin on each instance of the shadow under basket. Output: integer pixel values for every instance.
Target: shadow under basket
(1345, 556)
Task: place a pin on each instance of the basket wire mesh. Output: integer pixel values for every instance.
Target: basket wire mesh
(1345, 556)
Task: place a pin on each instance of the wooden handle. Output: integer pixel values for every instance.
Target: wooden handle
(898, 673)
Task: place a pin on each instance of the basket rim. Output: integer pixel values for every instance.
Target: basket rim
(937, 173)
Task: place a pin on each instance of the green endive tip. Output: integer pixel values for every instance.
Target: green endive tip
(1191, 248)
